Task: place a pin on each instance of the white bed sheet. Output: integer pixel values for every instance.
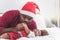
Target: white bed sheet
(54, 34)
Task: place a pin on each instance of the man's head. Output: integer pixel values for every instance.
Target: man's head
(26, 18)
(29, 10)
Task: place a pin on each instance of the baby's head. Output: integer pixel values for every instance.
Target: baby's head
(40, 32)
(44, 32)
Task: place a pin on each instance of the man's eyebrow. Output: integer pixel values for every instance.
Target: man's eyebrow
(27, 16)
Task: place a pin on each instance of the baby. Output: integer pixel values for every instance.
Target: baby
(29, 32)
(38, 33)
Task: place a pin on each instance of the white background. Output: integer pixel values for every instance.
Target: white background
(48, 8)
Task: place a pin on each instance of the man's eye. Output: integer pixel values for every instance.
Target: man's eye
(30, 18)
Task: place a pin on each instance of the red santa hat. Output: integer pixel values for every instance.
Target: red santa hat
(30, 9)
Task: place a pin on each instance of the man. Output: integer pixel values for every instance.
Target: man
(13, 21)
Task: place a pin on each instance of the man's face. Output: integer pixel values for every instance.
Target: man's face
(26, 18)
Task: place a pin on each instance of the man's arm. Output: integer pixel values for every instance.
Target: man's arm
(8, 18)
(26, 28)
(32, 25)
(8, 30)
(23, 26)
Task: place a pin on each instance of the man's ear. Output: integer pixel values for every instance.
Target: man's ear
(21, 18)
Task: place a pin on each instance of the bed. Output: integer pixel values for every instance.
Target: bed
(54, 34)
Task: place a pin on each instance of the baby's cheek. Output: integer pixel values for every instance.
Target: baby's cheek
(36, 34)
(39, 33)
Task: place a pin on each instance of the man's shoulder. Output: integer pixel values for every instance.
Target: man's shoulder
(11, 12)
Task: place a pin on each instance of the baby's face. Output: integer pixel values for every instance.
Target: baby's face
(37, 32)
(40, 32)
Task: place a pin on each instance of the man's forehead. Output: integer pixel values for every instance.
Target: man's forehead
(26, 15)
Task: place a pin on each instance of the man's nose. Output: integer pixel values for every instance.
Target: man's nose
(26, 20)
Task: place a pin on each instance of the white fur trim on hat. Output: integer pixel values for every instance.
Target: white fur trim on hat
(27, 13)
(37, 11)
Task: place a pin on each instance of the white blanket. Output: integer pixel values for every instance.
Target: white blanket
(54, 34)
